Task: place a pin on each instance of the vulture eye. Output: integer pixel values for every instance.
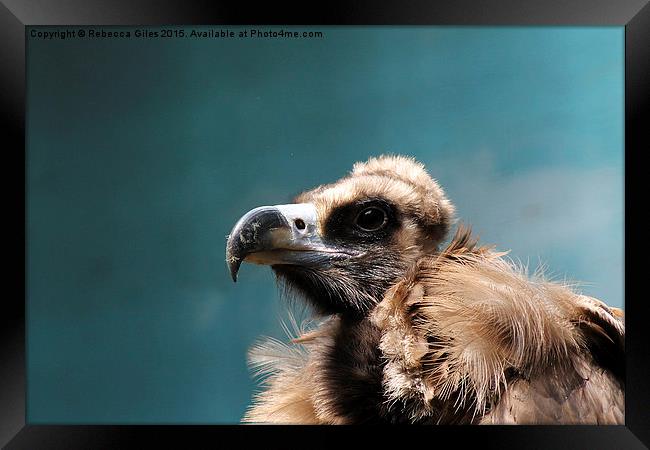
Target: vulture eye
(371, 219)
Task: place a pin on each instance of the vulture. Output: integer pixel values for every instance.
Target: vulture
(414, 328)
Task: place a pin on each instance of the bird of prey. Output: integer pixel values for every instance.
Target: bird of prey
(415, 331)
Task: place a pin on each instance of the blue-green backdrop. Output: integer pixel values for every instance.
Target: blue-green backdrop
(142, 153)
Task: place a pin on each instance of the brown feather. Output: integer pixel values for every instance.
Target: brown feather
(466, 320)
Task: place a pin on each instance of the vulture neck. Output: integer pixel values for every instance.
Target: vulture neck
(351, 375)
(350, 379)
(352, 370)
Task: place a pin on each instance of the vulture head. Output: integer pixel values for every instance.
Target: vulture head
(342, 245)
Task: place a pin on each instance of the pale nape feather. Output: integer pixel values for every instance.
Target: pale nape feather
(468, 331)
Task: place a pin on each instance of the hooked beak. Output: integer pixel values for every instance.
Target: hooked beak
(279, 235)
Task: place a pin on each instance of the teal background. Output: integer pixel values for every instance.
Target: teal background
(142, 154)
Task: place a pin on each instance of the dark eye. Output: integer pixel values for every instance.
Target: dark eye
(371, 219)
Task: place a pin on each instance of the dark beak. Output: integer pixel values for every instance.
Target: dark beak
(253, 233)
(276, 235)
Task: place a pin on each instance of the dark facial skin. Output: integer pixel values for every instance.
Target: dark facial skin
(352, 286)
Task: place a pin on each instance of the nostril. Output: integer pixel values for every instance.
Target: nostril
(300, 224)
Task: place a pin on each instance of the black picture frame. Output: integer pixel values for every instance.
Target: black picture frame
(15, 15)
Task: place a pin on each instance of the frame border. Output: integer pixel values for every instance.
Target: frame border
(16, 15)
